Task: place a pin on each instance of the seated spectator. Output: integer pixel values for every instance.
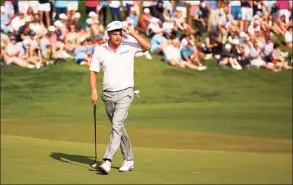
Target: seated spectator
(158, 42)
(82, 52)
(288, 37)
(188, 54)
(173, 58)
(71, 39)
(228, 58)
(278, 60)
(144, 20)
(15, 60)
(17, 22)
(242, 53)
(256, 60)
(268, 50)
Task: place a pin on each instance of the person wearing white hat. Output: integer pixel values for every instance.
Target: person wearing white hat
(116, 59)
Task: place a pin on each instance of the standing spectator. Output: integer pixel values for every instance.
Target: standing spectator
(104, 10)
(45, 8)
(115, 10)
(61, 7)
(198, 19)
(72, 6)
(92, 6)
(212, 7)
(236, 9)
(284, 7)
(10, 9)
(127, 6)
(246, 14)
(193, 5)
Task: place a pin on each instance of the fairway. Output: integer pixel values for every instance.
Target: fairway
(67, 162)
(215, 126)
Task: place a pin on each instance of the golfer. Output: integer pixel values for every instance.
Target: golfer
(116, 59)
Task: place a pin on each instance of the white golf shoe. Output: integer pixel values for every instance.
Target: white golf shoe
(127, 166)
(105, 167)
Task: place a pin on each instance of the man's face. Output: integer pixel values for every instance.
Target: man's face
(115, 36)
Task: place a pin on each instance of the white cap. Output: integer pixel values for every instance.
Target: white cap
(93, 14)
(235, 41)
(146, 10)
(63, 16)
(228, 47)
(203, 4)
(27, 19)
(76, 15)
(58, 24)
(132, 8)
(51, 28)
(256, 17)
(242, 34)
(158, 30)
(257, 22)
(82, 39)
(115, 25)
(89, 21)
(2, 9)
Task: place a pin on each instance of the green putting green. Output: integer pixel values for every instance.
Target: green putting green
(213, 126)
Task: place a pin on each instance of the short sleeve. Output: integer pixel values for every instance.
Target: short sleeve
(96, 62)
(134, 46)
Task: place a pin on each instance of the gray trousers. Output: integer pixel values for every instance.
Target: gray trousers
(117, 104)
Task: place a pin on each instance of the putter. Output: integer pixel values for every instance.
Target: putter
(94, 165)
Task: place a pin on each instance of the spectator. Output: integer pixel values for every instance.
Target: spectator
(115, 10)
(45, 8)
(82, 52)
(173, 57)
(187, 54)
(72, 7)
(61, 7)
(246, 14)
(236, 9)
(4, 20)
(92, 6)
(288, 38)
(158, 42)
(228, 58)
(144, 20)
(103, 13)
(284, 7)
(127, 6)
(278, 60)
(17, 22)
(256, 60)
(71, 39)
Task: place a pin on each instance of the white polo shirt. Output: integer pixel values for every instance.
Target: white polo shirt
(118, 67)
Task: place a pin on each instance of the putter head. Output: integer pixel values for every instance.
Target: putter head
(95, 165)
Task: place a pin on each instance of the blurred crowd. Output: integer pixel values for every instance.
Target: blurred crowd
(238, 34)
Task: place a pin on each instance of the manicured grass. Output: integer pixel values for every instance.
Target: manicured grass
(230, 126)
(29, 161)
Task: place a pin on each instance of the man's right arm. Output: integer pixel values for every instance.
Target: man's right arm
(94, 68)
(93, 85)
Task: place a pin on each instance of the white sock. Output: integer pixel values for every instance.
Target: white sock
(30, 66)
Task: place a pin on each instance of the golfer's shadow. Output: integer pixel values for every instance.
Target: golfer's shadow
(70, 158)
